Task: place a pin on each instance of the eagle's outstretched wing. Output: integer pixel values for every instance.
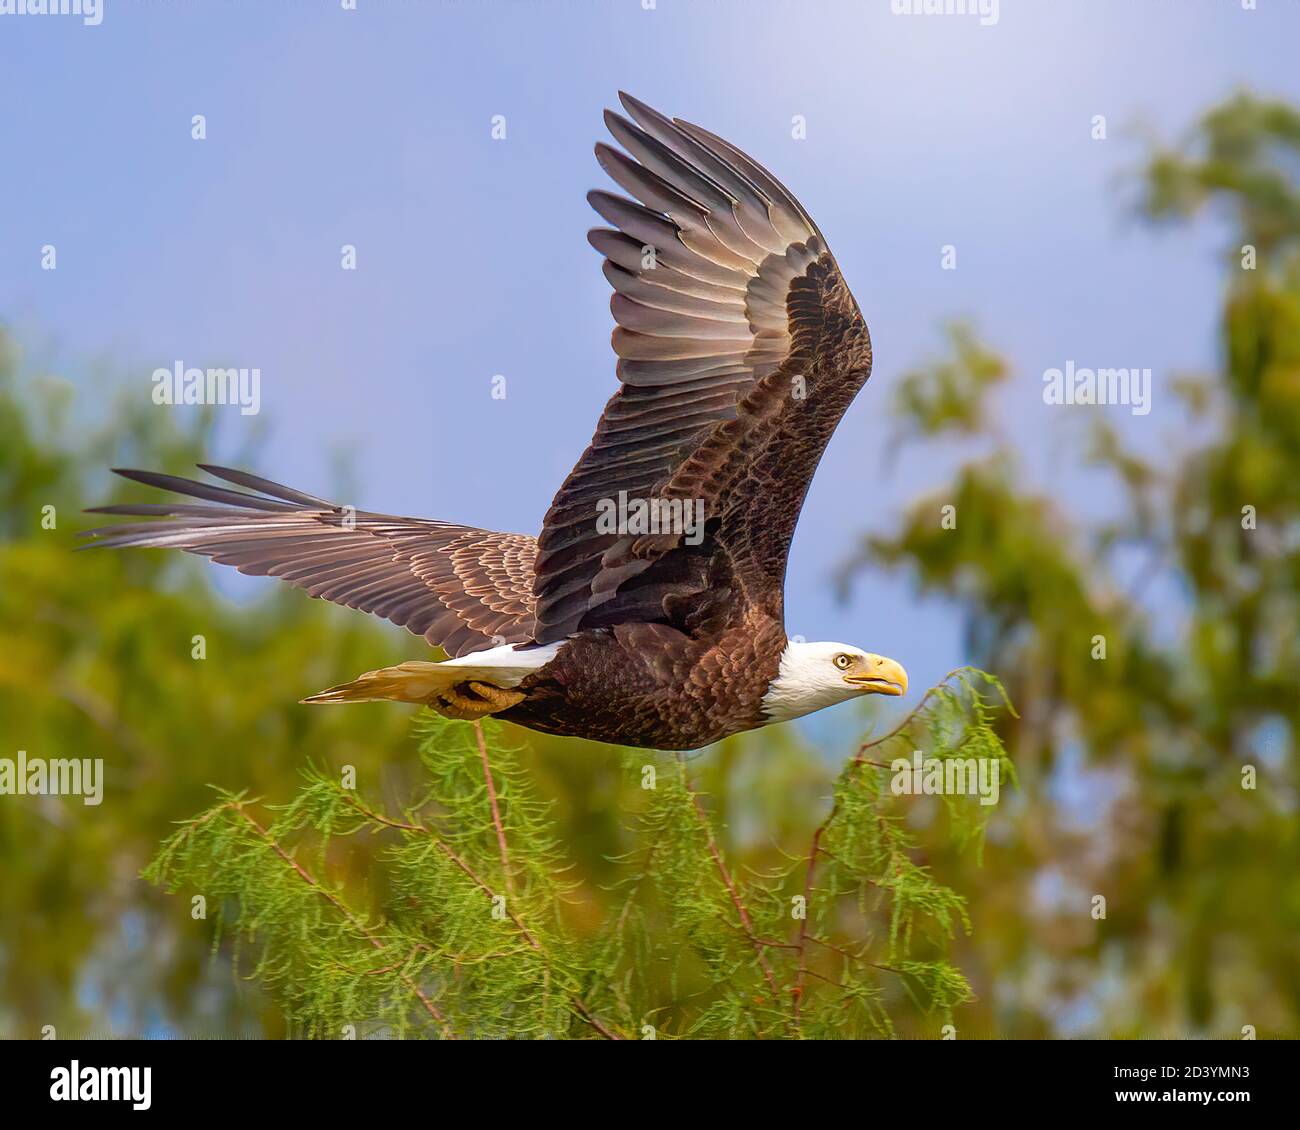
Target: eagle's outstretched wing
(739, 347)
(460, 588)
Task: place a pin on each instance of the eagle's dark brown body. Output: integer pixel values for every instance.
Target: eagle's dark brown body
(649, 685)
(739, 349)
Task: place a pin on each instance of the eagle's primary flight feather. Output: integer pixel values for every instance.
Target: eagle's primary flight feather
(739, 349)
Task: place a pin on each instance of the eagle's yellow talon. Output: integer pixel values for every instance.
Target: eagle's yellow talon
(467, 701)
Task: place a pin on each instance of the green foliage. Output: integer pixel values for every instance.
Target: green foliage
(471, 926)
(949, 394)
(1243, 154)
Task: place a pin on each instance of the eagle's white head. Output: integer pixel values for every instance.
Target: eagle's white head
(816, 675)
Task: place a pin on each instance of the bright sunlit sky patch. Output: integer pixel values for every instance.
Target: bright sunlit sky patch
(372, 127)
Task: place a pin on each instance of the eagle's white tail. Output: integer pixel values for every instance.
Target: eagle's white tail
(407, 682)
(492, 674)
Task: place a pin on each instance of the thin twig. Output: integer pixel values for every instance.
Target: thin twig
(496, 812)
(730, 884)
(594, 1021)
(940, 685)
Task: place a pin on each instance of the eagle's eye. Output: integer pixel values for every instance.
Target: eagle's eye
(843, 662)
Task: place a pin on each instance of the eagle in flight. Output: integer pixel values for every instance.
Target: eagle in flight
(739, 348)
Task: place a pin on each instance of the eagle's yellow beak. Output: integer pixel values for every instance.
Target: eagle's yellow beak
(875, 674)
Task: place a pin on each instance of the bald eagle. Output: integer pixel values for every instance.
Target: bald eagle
(739, 348)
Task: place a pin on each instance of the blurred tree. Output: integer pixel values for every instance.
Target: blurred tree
(1141, 705)
(97, 661)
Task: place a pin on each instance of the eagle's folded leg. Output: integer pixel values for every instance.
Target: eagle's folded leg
(470, 700)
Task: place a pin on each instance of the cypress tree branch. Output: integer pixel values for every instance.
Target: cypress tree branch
(815, 848)
(579, 1006)
(343, 909)
(451, 854)
(911, 717)
(688, 947)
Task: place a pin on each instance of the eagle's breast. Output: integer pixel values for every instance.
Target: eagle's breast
(651, 685)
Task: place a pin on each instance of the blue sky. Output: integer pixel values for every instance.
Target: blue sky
(373, 127)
